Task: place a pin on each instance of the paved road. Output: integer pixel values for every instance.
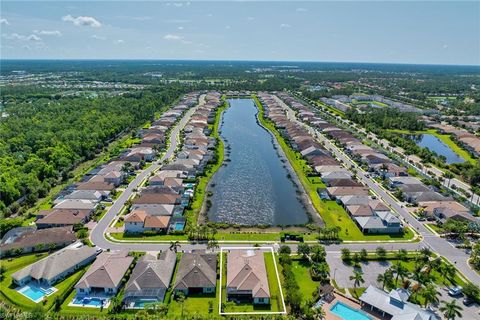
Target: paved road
(97, 236)
(437, 244)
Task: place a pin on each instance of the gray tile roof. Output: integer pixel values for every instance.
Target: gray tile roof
(56, 263)
(197, 270)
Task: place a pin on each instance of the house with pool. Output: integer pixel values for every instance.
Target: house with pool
(36, 280)
(150, 280)
(102, 280)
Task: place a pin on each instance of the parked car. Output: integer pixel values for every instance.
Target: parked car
(455, 291)
(468, 301)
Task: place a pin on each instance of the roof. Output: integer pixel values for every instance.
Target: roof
(152, 272)
(63, 216)
(92, 185)
(394, 304)
(135, 216)
(246, 271)
(85, 194)
(156, 198)
(156, 221)
(107, 271)
(76, 204)
(32, 238)
(56, 263)
(197, 270)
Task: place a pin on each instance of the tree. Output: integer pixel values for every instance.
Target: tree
(345, 254)
(303, 249)
(320, 271)
(212, 244)
(116, 302)
(57, 303)
(472, 291)
(402, 254)
(449, 272)
(363, 254)
(3, 269)
(400, 271)
(425, 253)
(319, 313)
(451, 310)
(385, 278)
(180, 297)
(430, 294)
(174, 245)
(284, 249)
(381, 253)
(357, 278)
(37, 313)
(318, 253)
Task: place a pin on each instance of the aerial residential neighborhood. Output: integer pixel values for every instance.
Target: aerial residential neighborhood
(310, 160)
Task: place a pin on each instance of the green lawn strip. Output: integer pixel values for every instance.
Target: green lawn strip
(275, 296)
(436, 228)
(200, 187)
(331, 212)
(301, 270)
(445, 138)
(8, 289)
(158, 237)
(332, 109)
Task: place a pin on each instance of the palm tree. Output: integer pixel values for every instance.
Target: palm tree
(430, 294)
(448, 176)
(212, 244)
(449, 272)
(174, 245)
(402, 254)
(319, 313)
(451, 310)
(385, 278)
(357, 278)
(401, 271)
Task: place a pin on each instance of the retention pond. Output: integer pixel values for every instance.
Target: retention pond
(254, 186)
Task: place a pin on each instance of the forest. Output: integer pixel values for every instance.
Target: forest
(42, 139)
(386, 118)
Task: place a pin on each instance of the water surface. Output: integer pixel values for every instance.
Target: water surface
(253, 187)
(436, 145)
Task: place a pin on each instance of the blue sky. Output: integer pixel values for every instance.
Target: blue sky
(432, 32)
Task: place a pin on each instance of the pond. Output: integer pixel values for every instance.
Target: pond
(253, 187)
(436, 145)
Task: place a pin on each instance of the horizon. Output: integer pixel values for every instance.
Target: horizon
(418, 33)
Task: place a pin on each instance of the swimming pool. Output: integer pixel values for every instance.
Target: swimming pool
(348, 313)
(141, 303)
(179, 226)
(35, 292)
(92, 302)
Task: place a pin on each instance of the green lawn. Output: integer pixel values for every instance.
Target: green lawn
(300, 268)
(194, 304)
(158, 237)
(331, 212)
(8, 289)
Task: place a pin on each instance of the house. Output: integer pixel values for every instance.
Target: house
(62, 217)
(381, 222)
(197, 273)
(389, 170)
(38, 240)
(104, 187)
(393, 305)
(150, 278)
(92, 195)
(444, 213)
(139, 221)
(334, 192)
(105, 274)
(76, 204)
(247, 277)
(56, 266)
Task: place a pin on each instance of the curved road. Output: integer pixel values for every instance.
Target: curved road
(437, 244)
(97, 235)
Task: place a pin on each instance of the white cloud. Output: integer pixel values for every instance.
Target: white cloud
(21, 37)
(172, 37)
(55, 33)
(177, 21)
(119, 41)
(301, 10)
(285, 25)
(180, 28)
(445, 46)
(178, 4)
(250, 18)
(82, 21)
(98, 37)
(4, 21)
(228, 27)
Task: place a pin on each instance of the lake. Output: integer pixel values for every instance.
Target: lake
(253, 188)
(436, 145)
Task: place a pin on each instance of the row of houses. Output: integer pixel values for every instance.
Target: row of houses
(78, 202)
(413, 189)
(469, 140)
(160, 205)
(150, 276)
(371, 215)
